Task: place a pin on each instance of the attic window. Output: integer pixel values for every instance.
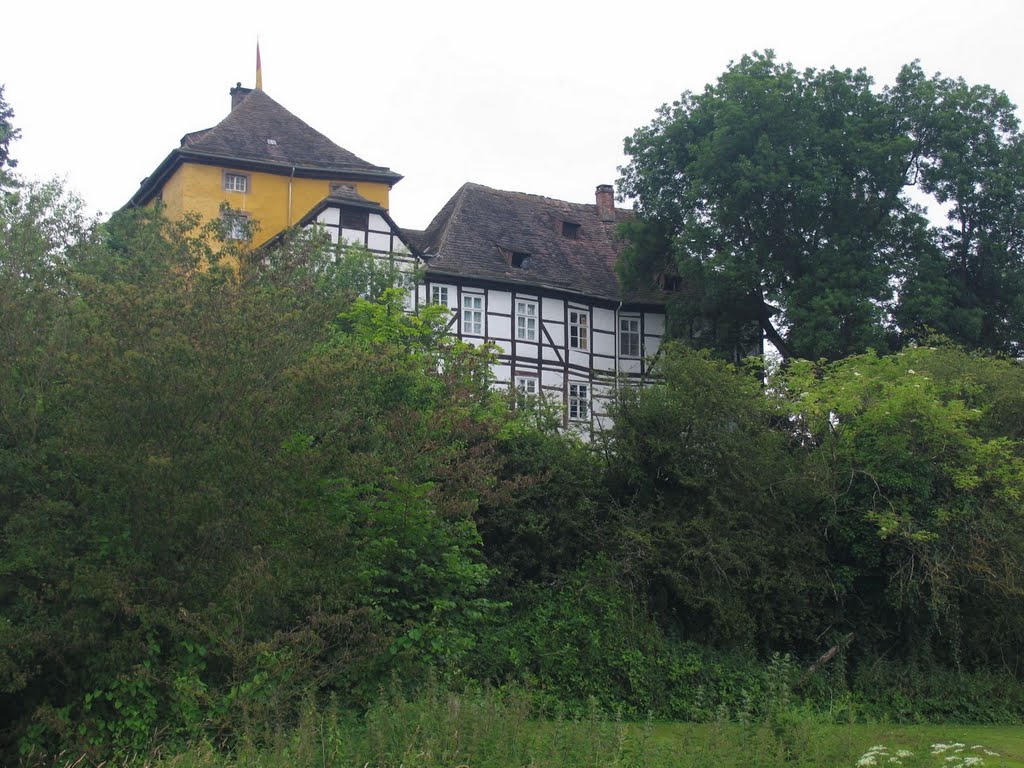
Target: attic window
(338, 187)
(354, 219)
(520, 260)
(670, 283)
(272, 142)
(570, 230)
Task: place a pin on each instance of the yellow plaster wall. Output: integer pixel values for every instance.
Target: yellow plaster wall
(200, 188)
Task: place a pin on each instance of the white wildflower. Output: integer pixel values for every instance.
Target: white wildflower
(952, 759)
(867, 759)
(991, 753)
(904, 753)
(968, 761)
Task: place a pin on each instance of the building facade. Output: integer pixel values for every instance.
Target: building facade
(531, 275)
(536, 278)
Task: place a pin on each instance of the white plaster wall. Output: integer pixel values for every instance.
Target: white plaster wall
(377, 241)
(603, 343)
(557, 333)
(604, 319)
(499, 301)
(654, 323)
(553, 309)
(499, 327)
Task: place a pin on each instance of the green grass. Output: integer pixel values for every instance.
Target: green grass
(492, 731)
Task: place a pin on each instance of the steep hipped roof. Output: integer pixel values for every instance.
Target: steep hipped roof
(480, 229)
(260, 134)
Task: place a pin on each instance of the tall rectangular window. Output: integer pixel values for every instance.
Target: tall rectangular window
(526, 320)
(579, 402)
(579, 330)
(236, 182)
(236, 226)
(629, 336)
(439, 295)
(473, 315)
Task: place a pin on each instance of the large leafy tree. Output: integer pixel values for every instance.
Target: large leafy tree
(782, 199)
(8, 133)
(711, 514)
(969, 285)
(217, 495)
(921, 475)
(776, 194)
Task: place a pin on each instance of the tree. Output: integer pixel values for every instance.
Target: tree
(776, 194)
(970, 284)
(8, 133)
(921, 492)
(221, 490)
(781, 197)
(712, 523)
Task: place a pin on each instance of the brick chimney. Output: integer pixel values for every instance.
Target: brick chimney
(237, 94)
(605, 202)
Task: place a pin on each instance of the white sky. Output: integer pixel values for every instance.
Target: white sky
(527, 96)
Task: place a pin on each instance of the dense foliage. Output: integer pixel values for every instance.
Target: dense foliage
(785, 200)
(236, 488)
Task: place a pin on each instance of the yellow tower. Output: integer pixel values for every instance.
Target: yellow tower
(268, 165)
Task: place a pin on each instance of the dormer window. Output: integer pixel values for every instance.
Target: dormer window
(520, 260)
(272, 142)
(570, 230)
(670, 283)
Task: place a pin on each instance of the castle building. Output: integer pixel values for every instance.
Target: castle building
(268, 165)
(532, 275)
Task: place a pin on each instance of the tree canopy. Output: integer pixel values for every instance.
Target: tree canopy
(783, 199)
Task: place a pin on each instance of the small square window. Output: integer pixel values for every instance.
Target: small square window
(520, 260)
(236, 182)
(570, 230)
(527, 385)
(439, 295)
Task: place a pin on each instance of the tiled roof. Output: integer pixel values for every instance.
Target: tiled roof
(479, 229)
(248, 130)
(260, 134)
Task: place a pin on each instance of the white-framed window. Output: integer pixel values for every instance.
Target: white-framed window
(526, 320)
(236, 182)
(472, 315)
(629, 336)
(439, 295)
(579, 402)
(236, 226)
(527, 385)
(579, 329)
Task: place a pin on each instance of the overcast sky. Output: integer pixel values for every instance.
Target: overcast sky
(527, 96)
